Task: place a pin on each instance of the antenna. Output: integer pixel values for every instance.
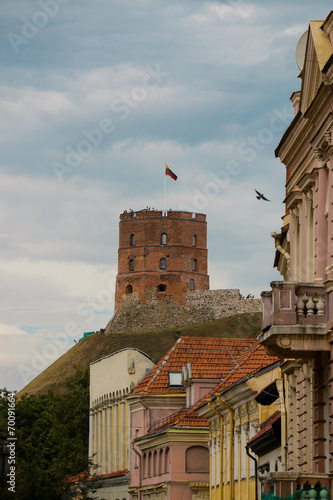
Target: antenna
(300, 50)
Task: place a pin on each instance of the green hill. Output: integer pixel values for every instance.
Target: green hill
(153, 343)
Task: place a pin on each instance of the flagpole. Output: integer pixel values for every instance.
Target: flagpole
(165, 191)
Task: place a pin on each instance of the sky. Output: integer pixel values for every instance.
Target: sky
(96, 97)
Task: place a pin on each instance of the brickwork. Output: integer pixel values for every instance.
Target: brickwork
(135, 315)
(160, 253)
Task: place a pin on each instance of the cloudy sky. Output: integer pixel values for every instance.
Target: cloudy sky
(96, 96)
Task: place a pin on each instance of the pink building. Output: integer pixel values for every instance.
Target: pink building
(298, 312)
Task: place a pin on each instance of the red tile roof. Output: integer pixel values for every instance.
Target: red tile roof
(246, 365)
(210, 358)
(182, 418)
(84, 476)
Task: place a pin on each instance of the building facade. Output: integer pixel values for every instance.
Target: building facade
(112, 378)
(234, 418)
(161, 253)
(173, 454)
(298, 312)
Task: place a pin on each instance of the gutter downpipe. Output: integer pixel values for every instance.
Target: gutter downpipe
(221, 446)
(231, 451)
(256, 469)
(140, 471)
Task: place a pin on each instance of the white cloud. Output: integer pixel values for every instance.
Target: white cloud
(229, 65)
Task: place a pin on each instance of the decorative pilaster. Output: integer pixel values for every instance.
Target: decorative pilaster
(303, 437)
(320, 250)
(318, 419)
(330, 408)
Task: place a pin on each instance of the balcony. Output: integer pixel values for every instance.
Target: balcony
(296, 318)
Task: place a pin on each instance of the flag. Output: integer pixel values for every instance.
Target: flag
(168, 171)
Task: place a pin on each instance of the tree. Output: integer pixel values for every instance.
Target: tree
(52, 433)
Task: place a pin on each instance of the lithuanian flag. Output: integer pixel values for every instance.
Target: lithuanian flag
(168, 171)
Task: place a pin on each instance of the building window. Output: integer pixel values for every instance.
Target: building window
(194, 240)
(166, 460)
(161, 288)
(131, 265)
(155, 464)
(163, 263)
(163, 239)
(194, 265)
(144, 465)
(197, 459)
(175, 378)
(149, 471)
(132, 240)
(160, 463)
(191, 284)
(128, 289)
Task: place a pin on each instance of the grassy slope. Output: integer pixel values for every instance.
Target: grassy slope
(153, 343)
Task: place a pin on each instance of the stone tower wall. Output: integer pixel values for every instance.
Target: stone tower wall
(148, 249)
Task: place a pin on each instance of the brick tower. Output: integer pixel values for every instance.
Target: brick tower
(163, 253)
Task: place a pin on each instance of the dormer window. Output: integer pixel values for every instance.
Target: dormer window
(132, 240)
(163, 239)
(175, 379)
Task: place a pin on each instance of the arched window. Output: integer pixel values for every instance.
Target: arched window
(194, 240)
(166, 460)
(163, 263)
(149, 465)
(194, 265)
(144, 465)
(160, 463)
(163, 239)
(197, 459)
(131, 265)
(155, 464)
(191, 284)
(128, 289)
(161, 288)
(132, 240)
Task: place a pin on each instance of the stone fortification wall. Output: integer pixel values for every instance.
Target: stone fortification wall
(225, 302)
(156, 313)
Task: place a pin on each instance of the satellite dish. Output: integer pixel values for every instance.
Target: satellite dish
(300, 50)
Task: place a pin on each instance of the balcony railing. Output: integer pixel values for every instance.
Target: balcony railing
(296, 318)
(292, 303)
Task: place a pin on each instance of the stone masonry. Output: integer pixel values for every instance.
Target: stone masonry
(201, 305)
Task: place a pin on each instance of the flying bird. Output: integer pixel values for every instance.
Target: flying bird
(261, 196)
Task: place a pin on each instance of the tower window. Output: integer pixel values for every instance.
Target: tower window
(163, 263)
(132, 240)
(131, 265)
(161, 288)
(128, 289)
(194, 240)
(191, 284)
(194, 265)
(163, 239)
